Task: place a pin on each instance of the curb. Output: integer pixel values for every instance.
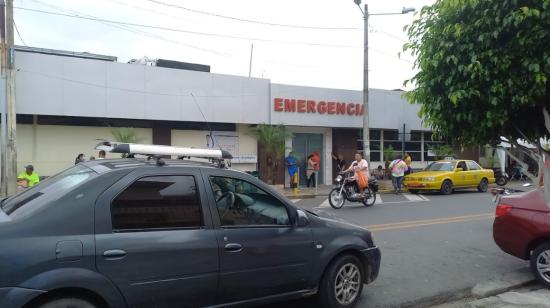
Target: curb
(503, 283)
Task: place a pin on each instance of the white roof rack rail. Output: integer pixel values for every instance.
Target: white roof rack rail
(162, 150)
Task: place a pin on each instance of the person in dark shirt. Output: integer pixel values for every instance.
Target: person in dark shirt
(340, 162)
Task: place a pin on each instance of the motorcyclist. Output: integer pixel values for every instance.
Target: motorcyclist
(359, 165)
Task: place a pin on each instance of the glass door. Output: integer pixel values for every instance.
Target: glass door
(304, 145)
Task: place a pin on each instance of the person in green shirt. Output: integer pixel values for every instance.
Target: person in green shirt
(29, 176)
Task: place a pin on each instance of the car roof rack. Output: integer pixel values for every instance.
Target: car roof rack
(158, 151)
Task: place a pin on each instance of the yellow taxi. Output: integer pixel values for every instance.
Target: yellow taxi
(447, 175)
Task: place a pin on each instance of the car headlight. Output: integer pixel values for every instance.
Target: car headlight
(429, 179)
(338, 178)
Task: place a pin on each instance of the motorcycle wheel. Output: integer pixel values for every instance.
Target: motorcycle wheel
(370, 198)
(501, 180)
(336, 199)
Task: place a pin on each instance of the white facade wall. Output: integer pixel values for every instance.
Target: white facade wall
(53, 148)
(55, 85)
(68, 86)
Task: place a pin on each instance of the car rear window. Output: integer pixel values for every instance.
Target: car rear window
(50, 189)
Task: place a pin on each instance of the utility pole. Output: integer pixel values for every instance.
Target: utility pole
(7, 96)
(366, 133)
(250, 65)
(366, 14)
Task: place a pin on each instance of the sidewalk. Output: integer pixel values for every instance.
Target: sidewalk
(385, 186)
(514, 289)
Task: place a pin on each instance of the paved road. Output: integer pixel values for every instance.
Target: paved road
(430, 245)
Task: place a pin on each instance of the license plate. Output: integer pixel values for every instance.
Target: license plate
(414, 185)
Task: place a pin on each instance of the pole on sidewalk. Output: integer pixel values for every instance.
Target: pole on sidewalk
(9, 154)
(366, 137)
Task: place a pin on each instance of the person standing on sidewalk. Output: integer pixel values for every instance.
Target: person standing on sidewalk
(408, 161)
(310, 171)
(397, 167)
(292, 168)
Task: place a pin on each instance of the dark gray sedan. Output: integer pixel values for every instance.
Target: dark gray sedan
(132, 233)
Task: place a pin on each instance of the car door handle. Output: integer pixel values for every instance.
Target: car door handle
(114, 254)
(233, 247)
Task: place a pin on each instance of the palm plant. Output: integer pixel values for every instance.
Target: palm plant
(273, 139)
(125, 135)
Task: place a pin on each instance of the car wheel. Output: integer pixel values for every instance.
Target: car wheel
(540, 263)
(342, 283)
(371, 197)
(483, 185)
(68, 302)
(447, 187)
(336, 199)
(413, 191)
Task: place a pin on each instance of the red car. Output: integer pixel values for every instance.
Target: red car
(522, 229)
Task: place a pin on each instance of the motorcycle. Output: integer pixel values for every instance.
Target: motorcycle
(346, 190)
(501, 178)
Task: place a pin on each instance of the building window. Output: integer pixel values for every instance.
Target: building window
(391, 135)
(416, 135)
(375, 156)
(375, 134)
(158, 202)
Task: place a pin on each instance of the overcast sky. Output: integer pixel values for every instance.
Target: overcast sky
(295, 57)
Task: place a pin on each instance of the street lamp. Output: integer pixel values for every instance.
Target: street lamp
(366, 14)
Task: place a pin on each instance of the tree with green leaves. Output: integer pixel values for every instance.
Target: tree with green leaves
(483, 72)
(273, 139)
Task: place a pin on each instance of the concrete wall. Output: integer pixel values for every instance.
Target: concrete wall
(56, 85)
(247, 144)
(53, 148)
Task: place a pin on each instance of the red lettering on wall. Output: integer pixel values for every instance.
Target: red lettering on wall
(278, 104)
(340, 108)
(290, 105)
(301, 106)
(322, 107)
(331, 107)
(311, 106)
(350, 109)
(359, 109)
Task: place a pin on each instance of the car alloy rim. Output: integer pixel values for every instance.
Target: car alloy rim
(337, 198)
(543, 265)
(346, 286)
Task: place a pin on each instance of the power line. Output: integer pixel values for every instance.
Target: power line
(250, 20)
(387, 34)
(19, 34)
(185, 31)
(135, 31)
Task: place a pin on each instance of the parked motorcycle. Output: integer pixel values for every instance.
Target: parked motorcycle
(346, 190)
(501, 178)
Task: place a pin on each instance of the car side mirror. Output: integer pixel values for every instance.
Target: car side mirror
(301, 219)
(459, 170)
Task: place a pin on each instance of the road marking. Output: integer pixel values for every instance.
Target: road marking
(324, 205)
(296, 200)
(428, 222)
(413, 198)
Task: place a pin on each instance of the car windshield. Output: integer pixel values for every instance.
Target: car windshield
(50, 189)
(440, 166)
